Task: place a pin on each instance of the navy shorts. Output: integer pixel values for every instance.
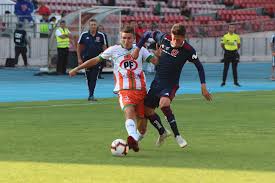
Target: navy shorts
(155, 93)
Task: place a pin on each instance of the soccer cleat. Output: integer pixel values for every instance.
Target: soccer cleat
(237, 84)
(182, 143)
(162, 137)
(92, 98)
(132, 143)
(223, 83)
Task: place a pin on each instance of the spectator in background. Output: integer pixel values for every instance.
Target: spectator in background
(45, 12)
(157, 9)
(141, 3)
(185, 10)
(23, 10)
(20, 42)
(139, 30)
(35, 4)
(52, 22)
(107, 2)
(62, 35)
(6, 25)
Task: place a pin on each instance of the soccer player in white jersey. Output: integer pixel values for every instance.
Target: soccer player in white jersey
(272, 46)
(130, 83)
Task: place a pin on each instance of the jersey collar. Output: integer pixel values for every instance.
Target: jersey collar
(126, 48)
(180, 45)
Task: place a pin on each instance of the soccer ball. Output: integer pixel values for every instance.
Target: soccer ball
(119, 147)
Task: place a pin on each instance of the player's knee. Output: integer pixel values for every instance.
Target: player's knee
(167, 111)
(164, 102)
(148, 111)
(130, 112)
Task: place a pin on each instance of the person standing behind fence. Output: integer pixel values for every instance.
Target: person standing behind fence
(23, 9)
(272, 46)
(62, 35)
(20, 41)
(90, 44)
(231, 42)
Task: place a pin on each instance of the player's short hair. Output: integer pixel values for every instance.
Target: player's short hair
(178, 29)
(93, 20)
(128, 29)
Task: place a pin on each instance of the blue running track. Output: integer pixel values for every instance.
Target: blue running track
(18, 84)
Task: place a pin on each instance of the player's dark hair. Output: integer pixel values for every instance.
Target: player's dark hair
(93, 20)
(128, 29)
(178, 29)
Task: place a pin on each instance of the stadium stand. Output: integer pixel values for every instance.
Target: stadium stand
(208, 16)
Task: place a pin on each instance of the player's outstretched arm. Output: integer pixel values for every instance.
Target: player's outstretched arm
(89, 63)
(142, 41)
(201, 72)
(205, 92)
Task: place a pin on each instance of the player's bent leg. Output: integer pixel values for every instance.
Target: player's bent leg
(167, 111)
(181, 142)
(141, 127)
(161, 138)
(131, 128)
(156, 122)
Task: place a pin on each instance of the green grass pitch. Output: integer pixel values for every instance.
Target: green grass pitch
(230, 140)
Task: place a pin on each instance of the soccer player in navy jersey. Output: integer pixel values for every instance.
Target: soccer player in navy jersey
(174, 54)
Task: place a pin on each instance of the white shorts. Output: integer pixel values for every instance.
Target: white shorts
(273, 61)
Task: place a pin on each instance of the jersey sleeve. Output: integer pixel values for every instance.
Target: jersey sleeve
(238, 39)
(146, 55)
(81, 39)
(107, 54)
(193, 57)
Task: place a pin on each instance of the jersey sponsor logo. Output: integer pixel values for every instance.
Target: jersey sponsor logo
(18, 35)
(128, 63)
(174, 52)
(166, 94)
(195, 56)
(97, 39)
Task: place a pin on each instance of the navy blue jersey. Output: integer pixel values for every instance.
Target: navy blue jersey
(172, 60)
(93, 45)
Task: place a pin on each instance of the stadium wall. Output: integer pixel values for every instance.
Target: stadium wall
(254, 48)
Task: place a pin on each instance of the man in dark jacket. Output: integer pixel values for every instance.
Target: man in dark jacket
(20, 41)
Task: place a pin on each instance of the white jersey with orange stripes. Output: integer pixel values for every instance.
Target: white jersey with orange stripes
(128, 73)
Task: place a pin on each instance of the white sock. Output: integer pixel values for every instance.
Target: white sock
(140, 136)
(131, 128)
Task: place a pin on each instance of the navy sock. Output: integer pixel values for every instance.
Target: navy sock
(171, 119)
(156, 122)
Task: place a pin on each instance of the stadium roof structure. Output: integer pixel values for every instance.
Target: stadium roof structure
(97, 12)
(78, 21)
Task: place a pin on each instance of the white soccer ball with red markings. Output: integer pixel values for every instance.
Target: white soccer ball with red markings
(119, 147)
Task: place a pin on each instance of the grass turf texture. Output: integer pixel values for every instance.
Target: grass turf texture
(229, 140)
